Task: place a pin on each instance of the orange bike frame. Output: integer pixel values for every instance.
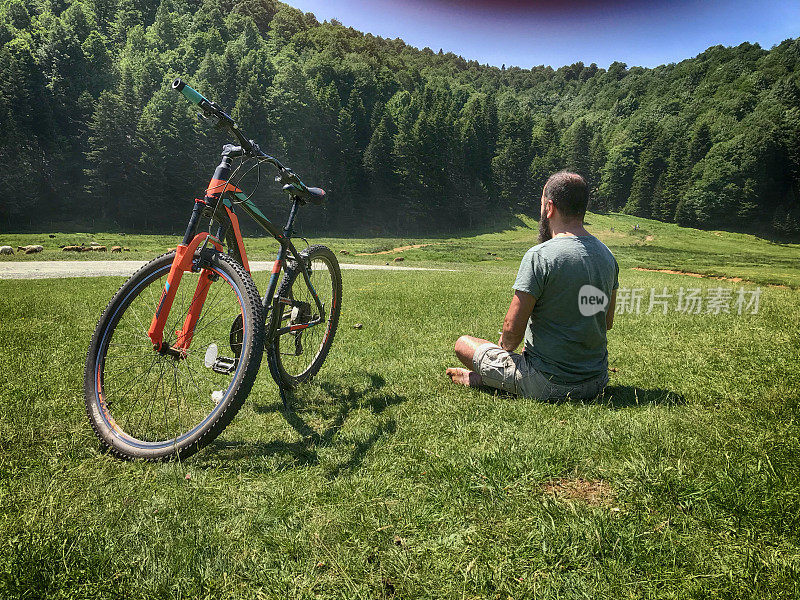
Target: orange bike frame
(220, 191)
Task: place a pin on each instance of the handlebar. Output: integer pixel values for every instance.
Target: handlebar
(192, 95)
(214, 112)
(290, 181)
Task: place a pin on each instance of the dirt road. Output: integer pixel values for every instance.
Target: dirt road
(49, 269)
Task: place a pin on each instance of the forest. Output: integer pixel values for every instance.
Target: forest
(404, 140)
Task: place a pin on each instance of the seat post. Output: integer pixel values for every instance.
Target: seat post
(287, 231)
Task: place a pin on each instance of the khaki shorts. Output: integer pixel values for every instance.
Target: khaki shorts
(509, 371)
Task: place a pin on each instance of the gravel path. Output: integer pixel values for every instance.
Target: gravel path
(48, 269)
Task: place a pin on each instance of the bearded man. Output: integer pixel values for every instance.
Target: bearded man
(563, 305)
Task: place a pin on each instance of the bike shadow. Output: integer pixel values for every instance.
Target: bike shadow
(306, 450)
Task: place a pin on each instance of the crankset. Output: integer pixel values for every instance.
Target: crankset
(225, 365)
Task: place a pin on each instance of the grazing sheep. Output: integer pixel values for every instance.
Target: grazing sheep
(31, 249)
(116, 248)
(6, 250)
(343, 252)
(99, 249)
(72, 249)
(86, 248)
(399, 259)
(126, 249)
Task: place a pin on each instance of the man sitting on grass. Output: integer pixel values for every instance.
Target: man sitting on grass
(563, 304)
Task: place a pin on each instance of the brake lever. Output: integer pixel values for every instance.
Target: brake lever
(283, 176)
(213, 120)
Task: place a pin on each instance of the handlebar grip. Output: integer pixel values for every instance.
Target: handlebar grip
(189, 92)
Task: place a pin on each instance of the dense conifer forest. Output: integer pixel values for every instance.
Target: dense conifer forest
(404, 140)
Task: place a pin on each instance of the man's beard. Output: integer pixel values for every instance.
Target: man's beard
(544, 229)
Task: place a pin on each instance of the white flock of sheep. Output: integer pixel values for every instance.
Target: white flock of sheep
(34, 248)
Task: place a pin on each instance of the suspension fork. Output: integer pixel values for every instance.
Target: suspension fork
(184, 256)
(186, 333)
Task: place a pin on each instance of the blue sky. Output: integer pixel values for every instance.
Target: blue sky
(534, 32)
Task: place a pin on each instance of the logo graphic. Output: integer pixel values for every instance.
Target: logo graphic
(591, 300)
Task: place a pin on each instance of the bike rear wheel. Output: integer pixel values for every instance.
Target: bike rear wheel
(297, 356)
(155, 406)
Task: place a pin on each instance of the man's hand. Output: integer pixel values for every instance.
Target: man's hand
(612, 306)
(516, 320)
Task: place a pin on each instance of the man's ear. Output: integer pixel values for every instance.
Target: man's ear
(549, 209)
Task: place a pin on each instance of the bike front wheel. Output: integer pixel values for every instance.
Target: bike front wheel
(296, 356)
(150, 405)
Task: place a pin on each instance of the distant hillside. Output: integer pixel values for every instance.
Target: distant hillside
(403, 139)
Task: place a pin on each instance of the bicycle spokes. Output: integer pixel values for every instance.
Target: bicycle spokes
(150, 397)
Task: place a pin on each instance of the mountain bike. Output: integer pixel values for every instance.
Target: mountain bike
(178, 348)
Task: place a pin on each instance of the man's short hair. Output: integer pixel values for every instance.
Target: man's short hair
(569, 193)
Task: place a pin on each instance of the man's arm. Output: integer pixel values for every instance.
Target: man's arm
(612, 304)
(516, 320)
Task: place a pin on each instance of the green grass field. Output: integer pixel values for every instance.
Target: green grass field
(386, 481)
(653, 245)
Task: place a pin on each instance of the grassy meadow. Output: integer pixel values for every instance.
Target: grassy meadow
(384, 480)
(652, 244)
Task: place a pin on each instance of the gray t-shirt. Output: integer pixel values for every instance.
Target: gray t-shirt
(572, 278)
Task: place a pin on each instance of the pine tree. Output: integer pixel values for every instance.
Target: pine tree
(699, 143)
(648, 172)
(577, 152)
(112, 157)
(617, 176)
(511, 159)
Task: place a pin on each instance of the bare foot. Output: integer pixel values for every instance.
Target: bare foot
(464, 376)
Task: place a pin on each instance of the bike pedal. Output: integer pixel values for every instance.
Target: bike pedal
(224, 365)
(219, 364)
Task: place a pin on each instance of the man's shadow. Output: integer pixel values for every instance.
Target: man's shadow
(305, 451)
(617, 396)
(623, 396)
